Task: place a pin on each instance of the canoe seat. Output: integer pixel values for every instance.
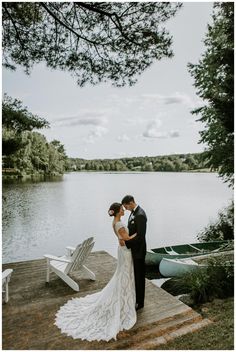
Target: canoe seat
(197, 249)
(171, 251)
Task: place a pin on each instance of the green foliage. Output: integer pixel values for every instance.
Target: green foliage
(11, 141)
(222, 228)
(147, 166)
(94, 41)
(15, 120)
(214, 80)
(37, 157)
(216, 280)
(25, 151)
(18, 118)
(175, 162)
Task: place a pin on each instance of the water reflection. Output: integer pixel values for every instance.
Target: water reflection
(43, 217)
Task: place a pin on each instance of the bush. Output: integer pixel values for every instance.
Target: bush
(222, 229)
(216, 280)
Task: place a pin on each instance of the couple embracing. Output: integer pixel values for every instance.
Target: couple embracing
(100, 316)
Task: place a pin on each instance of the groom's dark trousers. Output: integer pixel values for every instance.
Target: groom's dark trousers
(137, 224)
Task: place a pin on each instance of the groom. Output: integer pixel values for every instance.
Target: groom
(137, 223)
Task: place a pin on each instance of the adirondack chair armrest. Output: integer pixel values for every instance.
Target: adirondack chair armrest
(6, 274)
(59, 259)
(70, 250)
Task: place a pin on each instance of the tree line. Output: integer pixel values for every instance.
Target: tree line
(175, 162)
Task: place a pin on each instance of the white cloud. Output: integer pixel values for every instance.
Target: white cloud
(134, 121)
(160, 99)
(174, 134)
(154, 134)
(152, 130)
(123, 138)
(84, 118)
(99, 131)
(131, 100)
(174, 98)
(95, 134)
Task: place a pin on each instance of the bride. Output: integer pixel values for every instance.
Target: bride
(100, 316)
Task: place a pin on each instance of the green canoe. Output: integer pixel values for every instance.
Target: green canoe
(155, 255)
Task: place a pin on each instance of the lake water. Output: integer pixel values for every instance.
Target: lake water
(45, 217)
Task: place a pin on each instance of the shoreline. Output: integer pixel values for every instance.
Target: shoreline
(41, 177)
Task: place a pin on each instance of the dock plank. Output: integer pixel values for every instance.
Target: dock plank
(28, 317)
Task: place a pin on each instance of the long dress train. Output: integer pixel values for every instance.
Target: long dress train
(100, 316)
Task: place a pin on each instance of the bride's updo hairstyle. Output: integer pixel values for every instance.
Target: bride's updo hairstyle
(114, 209)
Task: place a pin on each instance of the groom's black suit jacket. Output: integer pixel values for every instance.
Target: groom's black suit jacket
(137, 223)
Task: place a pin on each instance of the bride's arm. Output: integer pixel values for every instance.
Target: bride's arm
(124, 234)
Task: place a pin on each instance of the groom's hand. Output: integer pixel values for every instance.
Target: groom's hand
(122, 242)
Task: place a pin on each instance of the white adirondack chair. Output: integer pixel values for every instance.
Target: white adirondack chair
(6, 275)
(73, 261)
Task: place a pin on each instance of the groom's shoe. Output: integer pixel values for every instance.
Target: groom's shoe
(139, 306)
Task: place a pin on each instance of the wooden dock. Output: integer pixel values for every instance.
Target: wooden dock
(28, 317)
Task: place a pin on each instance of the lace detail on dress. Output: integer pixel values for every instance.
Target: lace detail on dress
(102, 315)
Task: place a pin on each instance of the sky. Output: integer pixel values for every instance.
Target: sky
(150, 118)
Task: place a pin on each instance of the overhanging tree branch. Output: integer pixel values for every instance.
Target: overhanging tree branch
(14, 25)
(117, 24)
(65, 25)
(94, 41)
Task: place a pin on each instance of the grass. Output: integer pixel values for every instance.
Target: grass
(216, 336)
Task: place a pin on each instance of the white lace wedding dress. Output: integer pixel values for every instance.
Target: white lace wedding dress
(100, 316)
